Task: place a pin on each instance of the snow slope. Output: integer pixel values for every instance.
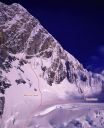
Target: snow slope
(37, 74)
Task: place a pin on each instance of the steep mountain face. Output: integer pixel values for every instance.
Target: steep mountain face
(26, 48)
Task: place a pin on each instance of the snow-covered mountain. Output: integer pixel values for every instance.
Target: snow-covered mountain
(35, 71)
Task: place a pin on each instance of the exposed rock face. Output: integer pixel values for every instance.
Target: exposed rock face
(2, 101)
(22, 33)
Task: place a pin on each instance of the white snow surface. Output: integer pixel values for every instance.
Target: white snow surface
(23, 101)
(34, 103)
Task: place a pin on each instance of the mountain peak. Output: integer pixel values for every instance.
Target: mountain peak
(19, 6)
(35, 70)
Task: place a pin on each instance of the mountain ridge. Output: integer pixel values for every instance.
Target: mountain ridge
(24, 34)
(32, 61)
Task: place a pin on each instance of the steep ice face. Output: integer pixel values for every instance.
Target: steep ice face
(35, 70)
(23, 34)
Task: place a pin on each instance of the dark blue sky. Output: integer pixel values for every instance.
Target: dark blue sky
(77, 25)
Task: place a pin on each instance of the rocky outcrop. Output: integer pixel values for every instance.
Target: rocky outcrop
(21, 33)
(2, 102)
